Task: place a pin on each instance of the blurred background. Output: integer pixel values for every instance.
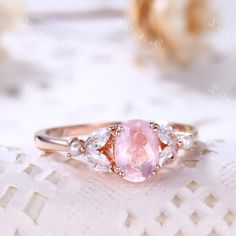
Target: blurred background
(69, 62)
(64, 62)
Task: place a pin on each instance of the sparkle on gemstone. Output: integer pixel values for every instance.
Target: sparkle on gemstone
(91, 155)
(186, 142)
(168, 137)
(99, 162)
(98, 139)
(136, 150)
(137, 153)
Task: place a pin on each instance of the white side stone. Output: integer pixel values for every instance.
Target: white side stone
(168, 137)
(91, 156)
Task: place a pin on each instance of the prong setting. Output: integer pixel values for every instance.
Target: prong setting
(158, 168)
(118, 171)
(154, 126)
(121, 173)
(115, 129)
(82, 149)
(134, 149)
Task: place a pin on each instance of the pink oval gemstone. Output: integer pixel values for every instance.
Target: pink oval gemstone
(136, 150)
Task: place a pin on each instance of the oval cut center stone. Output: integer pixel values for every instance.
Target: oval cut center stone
(136, 150)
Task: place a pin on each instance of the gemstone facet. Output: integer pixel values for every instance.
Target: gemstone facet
(98, 138)
(97, 160)
(91, 155)
(167, 137)
(136, 150)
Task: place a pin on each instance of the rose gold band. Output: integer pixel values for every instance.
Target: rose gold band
(58, 139)
(134, 149)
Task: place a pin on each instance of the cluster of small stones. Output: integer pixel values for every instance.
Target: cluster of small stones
(137, 149)
(88, 151)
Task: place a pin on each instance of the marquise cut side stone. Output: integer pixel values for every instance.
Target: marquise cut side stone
(98, 139)
(91, 155)
(99, 162)
(168, 137)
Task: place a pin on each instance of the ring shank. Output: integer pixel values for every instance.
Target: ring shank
(57, 139)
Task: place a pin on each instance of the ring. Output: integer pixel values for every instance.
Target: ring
(134, 149)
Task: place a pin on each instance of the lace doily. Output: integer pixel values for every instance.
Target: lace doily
(46, 195)
(96, 63)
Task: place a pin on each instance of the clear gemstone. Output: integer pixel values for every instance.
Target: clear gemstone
(165, 155)
(136, 150)
(164, 133)
(92, 156)
(99, 162)
(186, 142)
(168, 137)
(98, 139)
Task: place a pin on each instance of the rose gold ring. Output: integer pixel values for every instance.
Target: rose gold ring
(134, 149)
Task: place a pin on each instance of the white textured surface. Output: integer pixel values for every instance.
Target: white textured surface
(71, 72)
(47, 196)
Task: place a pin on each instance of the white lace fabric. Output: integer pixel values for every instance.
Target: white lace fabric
(94, 72)
(46, 195)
